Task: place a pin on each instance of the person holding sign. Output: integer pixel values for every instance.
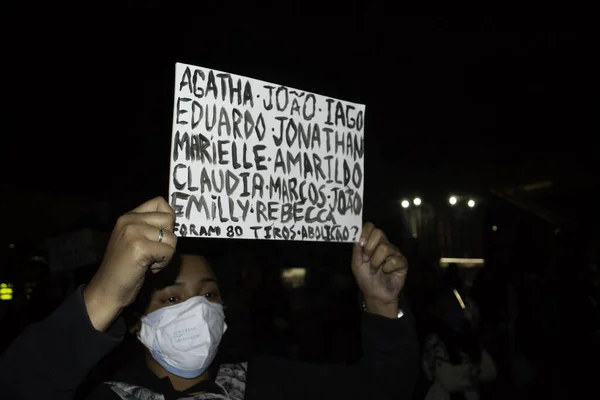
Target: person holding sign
(184, 322)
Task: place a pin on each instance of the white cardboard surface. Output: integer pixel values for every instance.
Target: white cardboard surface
(255, 160)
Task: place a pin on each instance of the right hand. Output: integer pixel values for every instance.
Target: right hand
(132, 250)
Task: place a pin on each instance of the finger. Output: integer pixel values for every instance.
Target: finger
(375, 238)
(151, 234)
(156, 204)
(157, 255)
(366, 231)
(395, 264)
(158, 219)
(382, 253)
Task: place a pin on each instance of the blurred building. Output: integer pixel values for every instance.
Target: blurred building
(443, 226)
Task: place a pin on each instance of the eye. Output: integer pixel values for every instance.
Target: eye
(172, 300)
(211, 296)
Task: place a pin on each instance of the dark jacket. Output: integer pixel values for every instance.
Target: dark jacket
(52, 358)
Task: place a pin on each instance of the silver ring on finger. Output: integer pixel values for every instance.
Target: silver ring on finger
(161, 234)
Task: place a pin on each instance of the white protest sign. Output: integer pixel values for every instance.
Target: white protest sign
(255, 160)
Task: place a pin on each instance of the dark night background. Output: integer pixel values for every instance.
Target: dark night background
(479, 106)
(475, 102)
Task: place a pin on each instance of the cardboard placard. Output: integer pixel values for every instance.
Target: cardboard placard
(255, 160)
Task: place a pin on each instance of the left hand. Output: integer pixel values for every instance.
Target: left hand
(380, 271)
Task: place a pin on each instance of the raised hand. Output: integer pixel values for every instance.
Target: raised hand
(380, 271)
(141, 240)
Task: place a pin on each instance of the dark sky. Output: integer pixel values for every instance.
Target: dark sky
(450, 100)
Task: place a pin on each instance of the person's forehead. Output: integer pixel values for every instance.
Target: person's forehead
(195, 265)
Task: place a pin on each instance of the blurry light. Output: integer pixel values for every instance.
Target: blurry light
(417, 201)
(414, 235)
(293, 272)
(11, 246)
(537, 186)
(294, 276)
(466, 261)
(405, 204)
(452, 200)
(6, 291)
(471, 203)
(460, 300)
(494, 228)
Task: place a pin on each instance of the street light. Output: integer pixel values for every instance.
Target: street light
(417, 201)
(471, 203)
(452, 200)
(405, 204)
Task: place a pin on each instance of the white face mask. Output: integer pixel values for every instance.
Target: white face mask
(184, 338)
